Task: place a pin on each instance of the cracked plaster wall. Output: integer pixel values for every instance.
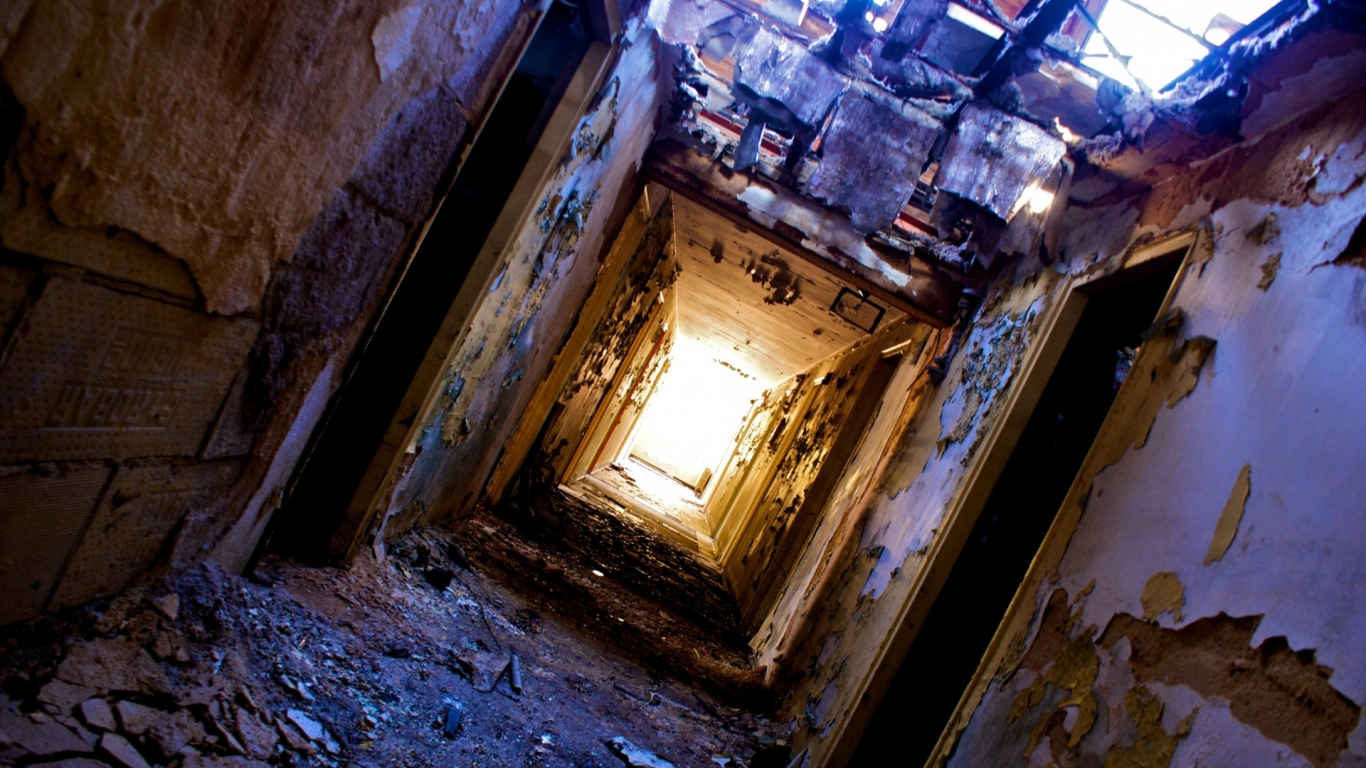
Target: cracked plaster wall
(543, 278)
(237, 184)
(219, 132)
(1283, 297)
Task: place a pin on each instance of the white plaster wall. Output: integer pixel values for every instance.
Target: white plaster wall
(1282, 392)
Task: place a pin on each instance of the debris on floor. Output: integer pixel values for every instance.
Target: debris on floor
(635, 756)
(372, 666)
(622, 583)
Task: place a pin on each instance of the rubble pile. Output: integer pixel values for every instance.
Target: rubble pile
(411, 661)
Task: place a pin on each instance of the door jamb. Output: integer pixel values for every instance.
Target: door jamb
(381, 474)
(1035, 371)
(1021, 609)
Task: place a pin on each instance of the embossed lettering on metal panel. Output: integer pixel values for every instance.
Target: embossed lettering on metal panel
(99, 373)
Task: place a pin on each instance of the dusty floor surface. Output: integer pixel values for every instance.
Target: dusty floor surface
(367, 666)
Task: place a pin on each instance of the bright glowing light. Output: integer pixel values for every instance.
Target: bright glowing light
(881, 2)
(1039, 200)
(692, 418)
(1067, 136)
(868, 17)
(598, 573)
(880, 24)
(1159, 53)
(981, 24)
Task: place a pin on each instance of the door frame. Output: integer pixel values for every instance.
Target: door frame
(1035, 371)
(377, 483)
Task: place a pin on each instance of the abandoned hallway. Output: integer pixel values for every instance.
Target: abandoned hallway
(689, 383)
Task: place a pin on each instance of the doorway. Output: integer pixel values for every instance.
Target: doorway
(715, 406)
(345, 445)
(1018, 513)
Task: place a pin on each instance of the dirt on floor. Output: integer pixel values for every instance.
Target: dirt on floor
(421, 659)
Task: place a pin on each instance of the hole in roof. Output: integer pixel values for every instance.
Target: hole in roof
(1161, 39)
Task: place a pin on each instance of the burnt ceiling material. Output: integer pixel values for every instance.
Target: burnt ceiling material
(872, 155)
(761, 309)
(838, 119)
(995, 160)
(814, 121)
(785, 85)
(783, 79)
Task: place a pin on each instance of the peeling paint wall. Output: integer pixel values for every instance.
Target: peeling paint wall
(790, 620)
(1206, 608)
(543, 278)
(1234, 607)
(770, 506)
(201, 210)
(623, 344)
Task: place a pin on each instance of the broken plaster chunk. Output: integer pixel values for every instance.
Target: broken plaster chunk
(229, 738)
(122, 753)
(1163, 594)
(293, 739)
(47, 737)
(169, 646)
(635, 756)
(1227, 527)
(97, 714)
(258, 738)
(168, 605)
(117, 664)
(174, 734)
(136, 718)
(63, 696)
(484, 668)
(311, 728)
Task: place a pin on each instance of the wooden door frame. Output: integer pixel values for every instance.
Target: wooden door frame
(999, 443)
(377, 483)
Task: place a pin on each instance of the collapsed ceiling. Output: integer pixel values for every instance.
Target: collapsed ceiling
(952, 133)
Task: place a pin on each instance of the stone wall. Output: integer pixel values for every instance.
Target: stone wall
(202, 209)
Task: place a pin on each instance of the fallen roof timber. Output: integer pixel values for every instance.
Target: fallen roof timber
(909, 282)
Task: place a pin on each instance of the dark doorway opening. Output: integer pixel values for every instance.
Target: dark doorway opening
(1016, 517)
(343, 447)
